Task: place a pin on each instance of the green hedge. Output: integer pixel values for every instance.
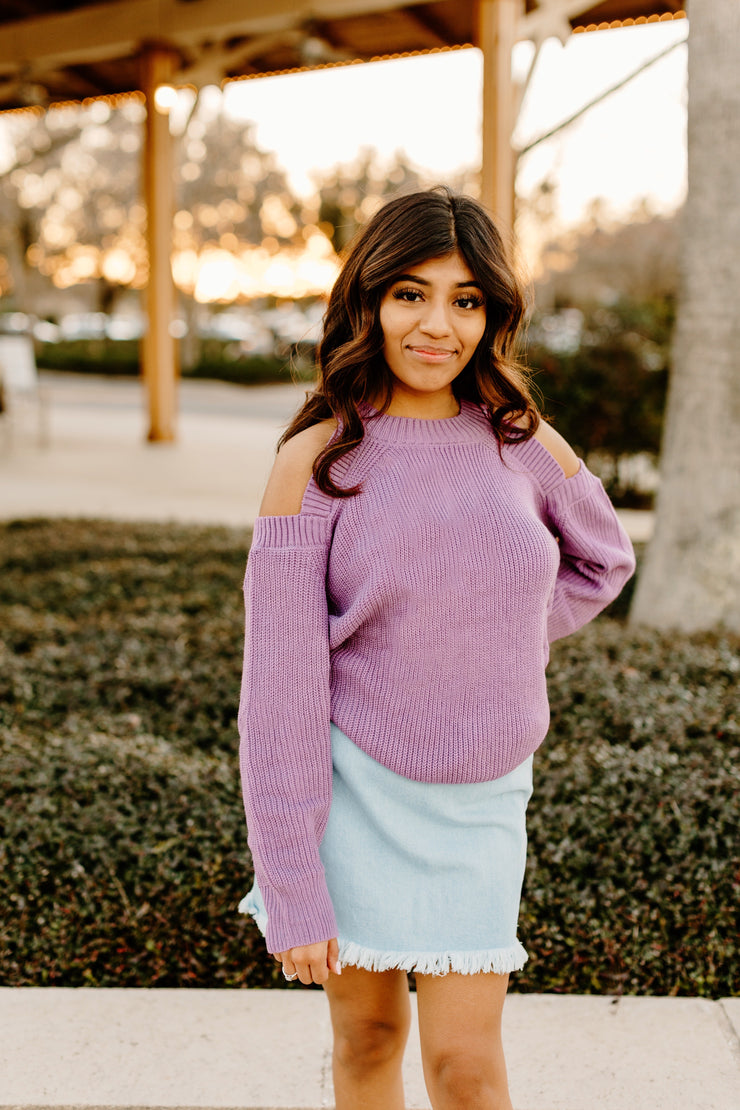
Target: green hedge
(123, 844)
(217, 360)
(118, 358)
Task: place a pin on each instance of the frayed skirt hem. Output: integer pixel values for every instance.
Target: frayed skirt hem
(499, 961)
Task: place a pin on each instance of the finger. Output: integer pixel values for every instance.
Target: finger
(333, 957)
(304, 973)
(319, 973)
(311, 969)
(289, 968)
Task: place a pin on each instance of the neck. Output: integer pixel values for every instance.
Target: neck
(434, 407)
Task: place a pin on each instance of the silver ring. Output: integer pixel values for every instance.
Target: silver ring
(290, 978)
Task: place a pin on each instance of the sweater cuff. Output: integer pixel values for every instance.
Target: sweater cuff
(301, 915)
(302, 530)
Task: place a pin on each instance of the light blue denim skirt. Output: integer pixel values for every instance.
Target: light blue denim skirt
(424, 877)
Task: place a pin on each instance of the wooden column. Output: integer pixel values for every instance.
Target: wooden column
(497, 28)
(159, 354)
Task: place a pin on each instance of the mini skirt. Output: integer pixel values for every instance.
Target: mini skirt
(424, 877)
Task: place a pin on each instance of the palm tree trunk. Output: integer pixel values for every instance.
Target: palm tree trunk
(691, 576)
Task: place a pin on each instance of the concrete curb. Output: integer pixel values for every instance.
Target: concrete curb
(99, 1048)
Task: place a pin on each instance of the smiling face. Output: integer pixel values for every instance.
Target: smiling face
(432, 318)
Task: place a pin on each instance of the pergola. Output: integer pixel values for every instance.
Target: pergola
(61, 50)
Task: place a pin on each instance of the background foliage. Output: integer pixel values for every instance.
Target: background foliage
(217, 359)
(123, 850)
(605, 386)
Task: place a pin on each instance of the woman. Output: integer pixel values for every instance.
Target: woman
(423, 536)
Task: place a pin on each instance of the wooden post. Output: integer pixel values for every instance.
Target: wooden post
(158, 351)
(497, 29)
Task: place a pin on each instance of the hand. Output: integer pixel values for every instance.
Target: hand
(312, 963)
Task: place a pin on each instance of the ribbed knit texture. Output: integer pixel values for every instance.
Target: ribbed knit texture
(417, 616)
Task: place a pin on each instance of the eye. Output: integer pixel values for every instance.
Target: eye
(408, 295)
(469, 301)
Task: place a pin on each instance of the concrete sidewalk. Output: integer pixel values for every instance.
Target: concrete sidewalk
(97, 462)
(95, 1048)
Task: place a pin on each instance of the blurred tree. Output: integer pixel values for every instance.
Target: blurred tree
(602, 372)
(691, 576)
(72, 212)
(228, 186)
(72, 200)
(598, 263)
(349, 194)
(33, 146)
(230, 195)
(600, 338)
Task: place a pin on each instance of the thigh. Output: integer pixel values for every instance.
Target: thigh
(362, 1000)
(460, 1014)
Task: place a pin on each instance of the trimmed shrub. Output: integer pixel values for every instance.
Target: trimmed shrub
(219, 359)
(124, 851)
(118, 358)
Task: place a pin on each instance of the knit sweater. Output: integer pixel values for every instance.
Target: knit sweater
(417, 616)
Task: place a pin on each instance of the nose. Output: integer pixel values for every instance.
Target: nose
(435, 321)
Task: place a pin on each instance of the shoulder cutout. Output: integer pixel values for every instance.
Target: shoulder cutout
(292, 470)
(559, 448)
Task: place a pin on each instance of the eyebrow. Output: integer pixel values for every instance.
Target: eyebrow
(423, 281)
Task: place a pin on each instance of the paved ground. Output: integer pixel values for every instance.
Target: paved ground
(264, 1050)
(96, 461)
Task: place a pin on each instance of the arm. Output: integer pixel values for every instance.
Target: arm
(596, 556)
(284, 712)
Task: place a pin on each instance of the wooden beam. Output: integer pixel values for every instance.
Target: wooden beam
(159, 356)
(497, 34)
(551, 19)
(103, 31)
(430, 27)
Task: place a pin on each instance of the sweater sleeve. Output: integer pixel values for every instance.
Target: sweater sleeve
(596, 555)
(284, 725)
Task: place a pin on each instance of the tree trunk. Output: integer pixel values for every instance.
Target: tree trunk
(691, 576)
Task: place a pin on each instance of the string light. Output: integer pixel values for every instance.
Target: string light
(165, 98)
(637, 21)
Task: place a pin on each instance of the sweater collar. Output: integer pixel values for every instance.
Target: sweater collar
(470, 423)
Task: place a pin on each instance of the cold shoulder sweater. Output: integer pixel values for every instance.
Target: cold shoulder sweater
(417, 616)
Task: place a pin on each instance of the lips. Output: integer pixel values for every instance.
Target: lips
(433, 354)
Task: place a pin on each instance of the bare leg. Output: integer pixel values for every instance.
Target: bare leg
(462, 1053)
(370, 1016)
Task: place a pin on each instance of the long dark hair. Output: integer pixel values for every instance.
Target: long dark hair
(403, 233)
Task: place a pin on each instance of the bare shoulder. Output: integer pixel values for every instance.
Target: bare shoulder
(558, 447)
(292, 469)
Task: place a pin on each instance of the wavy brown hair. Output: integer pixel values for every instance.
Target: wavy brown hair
(403, 233)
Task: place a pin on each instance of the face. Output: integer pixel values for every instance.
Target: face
(433, 318)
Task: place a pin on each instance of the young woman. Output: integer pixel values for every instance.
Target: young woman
(423, 537)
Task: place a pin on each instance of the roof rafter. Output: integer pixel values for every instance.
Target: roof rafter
(429, 25)
(105, 31)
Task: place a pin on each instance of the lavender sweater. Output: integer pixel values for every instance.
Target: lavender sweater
(417, 616)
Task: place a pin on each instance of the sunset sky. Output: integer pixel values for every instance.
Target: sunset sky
(632, 145)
